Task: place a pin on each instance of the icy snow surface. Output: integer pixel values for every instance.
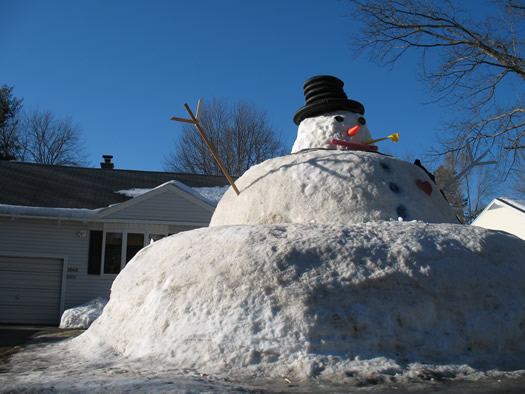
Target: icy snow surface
(318, 131)
(328, 302)
(83, 315)
(328, 186)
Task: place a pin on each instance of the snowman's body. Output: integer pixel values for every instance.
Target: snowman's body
(333, 186)
(325, 130)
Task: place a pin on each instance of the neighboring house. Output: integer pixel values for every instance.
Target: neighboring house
(66, 232)
(503, 214)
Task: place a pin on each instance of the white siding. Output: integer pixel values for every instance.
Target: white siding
(164, 207)
(70, 241)
(174, 229)
(22, 237)
(502, 217)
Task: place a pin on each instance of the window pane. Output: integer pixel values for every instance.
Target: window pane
(95, 252)
(135, 243)
(113, 253)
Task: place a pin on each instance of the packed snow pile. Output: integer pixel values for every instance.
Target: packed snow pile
(329, 186)
(310, 300)
(84, 315)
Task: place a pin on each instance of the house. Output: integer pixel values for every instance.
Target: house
(503, 214)
(66, 232)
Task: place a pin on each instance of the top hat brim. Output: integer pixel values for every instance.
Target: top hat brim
(324, 106)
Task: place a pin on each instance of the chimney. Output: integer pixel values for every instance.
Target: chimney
(107, 162)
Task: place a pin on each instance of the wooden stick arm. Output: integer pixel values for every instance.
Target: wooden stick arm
(182, 120)
(212, 149)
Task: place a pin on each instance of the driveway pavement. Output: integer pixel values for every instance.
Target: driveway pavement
(14, 337)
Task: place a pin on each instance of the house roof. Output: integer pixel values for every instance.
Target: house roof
(37, 185)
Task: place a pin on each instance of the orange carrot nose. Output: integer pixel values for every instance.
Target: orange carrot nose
(352, 131)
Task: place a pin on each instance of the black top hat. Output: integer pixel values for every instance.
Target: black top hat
(323, 94)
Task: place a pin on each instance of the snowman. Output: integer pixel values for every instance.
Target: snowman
(333, 264)
(333, 174)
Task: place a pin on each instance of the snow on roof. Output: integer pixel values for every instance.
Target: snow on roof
(210, 195)
(518, 204)
(61, 213)
(133, 192)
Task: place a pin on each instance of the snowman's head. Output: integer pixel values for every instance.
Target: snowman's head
(329, 119)
(320, 131)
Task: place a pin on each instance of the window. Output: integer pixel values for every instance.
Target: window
(113, 253)
(110, 251)
(134, 244)
(95, 252)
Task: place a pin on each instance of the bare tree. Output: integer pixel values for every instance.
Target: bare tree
(444, 176)
(518, 178)
(9, 131)
(467, 63)
(240, 133)
(467, 195)
(50, 140)
(480, 187)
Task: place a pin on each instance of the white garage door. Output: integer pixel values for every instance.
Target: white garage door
(30, 289)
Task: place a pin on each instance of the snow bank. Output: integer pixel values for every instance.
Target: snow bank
(84, 315)
(333, 186)
(334, 301)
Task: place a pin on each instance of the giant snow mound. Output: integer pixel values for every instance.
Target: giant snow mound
(328, 186)
(320, 300)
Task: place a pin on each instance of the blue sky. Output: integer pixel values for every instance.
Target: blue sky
(121, 69)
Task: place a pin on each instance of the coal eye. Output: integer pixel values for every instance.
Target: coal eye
(361, 120)
(339, 118)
